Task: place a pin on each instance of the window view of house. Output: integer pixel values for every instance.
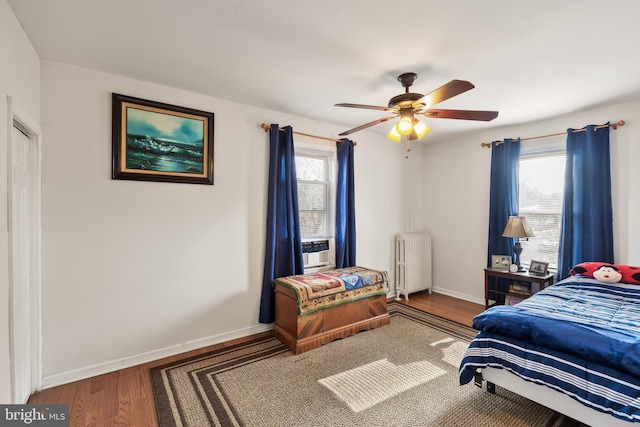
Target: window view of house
(314, 203)
(541, 188)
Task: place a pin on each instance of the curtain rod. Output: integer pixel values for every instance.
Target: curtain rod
(613, 125)
(266, 128)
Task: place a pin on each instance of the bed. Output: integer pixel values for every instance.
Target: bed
(314, 309)
(573, 347)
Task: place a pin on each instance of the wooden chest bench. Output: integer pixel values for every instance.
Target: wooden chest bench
(314, 309)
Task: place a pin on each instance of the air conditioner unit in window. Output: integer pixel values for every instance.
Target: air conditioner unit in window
(318, 255)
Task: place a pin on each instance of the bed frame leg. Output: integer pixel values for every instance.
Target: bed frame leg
(477, 380)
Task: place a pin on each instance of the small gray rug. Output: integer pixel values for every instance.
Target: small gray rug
(402, 374)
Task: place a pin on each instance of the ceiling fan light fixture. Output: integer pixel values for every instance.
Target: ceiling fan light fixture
(405, 126)
(420, 129)
(394, 135)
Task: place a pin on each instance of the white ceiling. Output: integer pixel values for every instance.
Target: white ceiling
(528, 60)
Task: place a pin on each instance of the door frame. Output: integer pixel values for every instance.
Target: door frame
(17, 118)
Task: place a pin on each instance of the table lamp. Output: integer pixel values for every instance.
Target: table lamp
(518, 227)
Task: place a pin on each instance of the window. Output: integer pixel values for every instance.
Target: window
(541, 192)
(315, 171)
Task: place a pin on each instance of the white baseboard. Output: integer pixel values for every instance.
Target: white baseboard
(49, 381)
(450, 293)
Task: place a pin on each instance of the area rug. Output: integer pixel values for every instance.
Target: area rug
(402, 374)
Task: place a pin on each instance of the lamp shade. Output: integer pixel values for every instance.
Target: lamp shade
(517, 226)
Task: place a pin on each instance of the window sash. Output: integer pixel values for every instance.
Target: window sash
(315, 203)
(541, 191)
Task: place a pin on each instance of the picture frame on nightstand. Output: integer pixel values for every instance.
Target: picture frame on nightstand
(501, 262)
(538, 267)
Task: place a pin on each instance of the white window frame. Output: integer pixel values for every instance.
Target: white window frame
(326, 259)
(330, 154)
(532, 149)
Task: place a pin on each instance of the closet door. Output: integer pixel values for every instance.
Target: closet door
(21, 240)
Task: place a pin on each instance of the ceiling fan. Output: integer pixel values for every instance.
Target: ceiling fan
(408, 105)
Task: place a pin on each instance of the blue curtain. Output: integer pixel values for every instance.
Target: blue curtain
(345, 207)
(283, 254)
(503, 197)
(587, 218)
(503, 202)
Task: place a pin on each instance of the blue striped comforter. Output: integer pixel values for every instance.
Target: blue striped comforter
(579, 336)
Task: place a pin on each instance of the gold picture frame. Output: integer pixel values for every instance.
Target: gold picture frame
(153, 141)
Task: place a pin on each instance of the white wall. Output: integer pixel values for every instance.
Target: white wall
(457, 185)
(389, 192)
(20, 80)
(133, 271)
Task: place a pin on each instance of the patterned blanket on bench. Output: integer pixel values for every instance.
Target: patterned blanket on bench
(320, 290)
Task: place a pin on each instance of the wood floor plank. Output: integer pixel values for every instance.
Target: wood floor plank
(142, 381)
(126, 415)
(110, 422)
(144, 410)
(109, 387)
(125, 398)
(94, 414)
(81, 404)
(67, 395)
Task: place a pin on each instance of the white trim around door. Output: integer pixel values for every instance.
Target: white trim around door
(23, 186)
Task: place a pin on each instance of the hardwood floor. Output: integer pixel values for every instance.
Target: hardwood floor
(445, 306)
(124, 398)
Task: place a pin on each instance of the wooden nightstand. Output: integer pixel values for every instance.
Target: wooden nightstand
(491, 276)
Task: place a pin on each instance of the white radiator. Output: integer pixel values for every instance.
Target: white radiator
(413, 263)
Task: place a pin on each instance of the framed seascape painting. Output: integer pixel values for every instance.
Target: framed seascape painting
(153, 141)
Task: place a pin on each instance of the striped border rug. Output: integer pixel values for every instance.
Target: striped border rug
(402, 374)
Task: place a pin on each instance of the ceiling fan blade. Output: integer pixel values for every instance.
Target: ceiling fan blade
(444, 92)
(368, 107)
(375, 122)
(484, 116)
